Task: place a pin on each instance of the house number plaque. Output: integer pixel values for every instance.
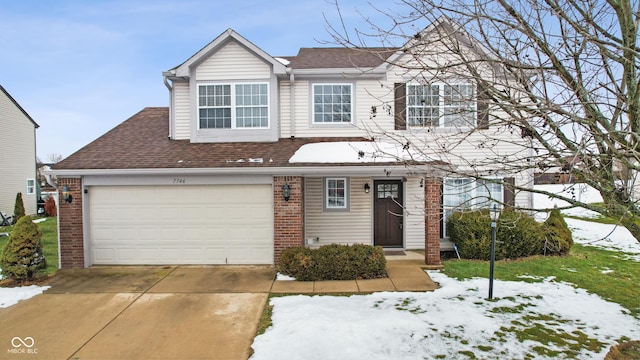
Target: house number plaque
(179, 181)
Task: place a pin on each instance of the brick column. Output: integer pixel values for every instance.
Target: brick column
(288, 216)
(70, 225)
(432, 196)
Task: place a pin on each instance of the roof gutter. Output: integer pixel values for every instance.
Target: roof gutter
(165, 79)
(375, 170)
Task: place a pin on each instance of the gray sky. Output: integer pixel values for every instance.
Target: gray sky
(80, 68)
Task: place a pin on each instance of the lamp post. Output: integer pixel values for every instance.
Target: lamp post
(494, 212)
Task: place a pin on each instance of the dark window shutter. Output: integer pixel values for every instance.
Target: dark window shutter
(483, 109)
(509, 195)
(400, 106)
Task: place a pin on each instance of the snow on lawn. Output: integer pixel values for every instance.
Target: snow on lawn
(579, 192)
(11, 296)
(608, 237)
(456, 320)
(449, 322)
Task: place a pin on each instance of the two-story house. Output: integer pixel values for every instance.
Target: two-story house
(257, 153)
(17, 155)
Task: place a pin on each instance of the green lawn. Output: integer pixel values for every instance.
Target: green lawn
(49, 229)
(598, 271)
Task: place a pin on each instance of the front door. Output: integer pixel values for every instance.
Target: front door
(388, 213)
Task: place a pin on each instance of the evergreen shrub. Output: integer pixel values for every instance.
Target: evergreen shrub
(22, 256)
(18, 209)
(517, 234)
(557, 235)
(333, 262)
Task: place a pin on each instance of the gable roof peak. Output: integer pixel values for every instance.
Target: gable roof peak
(2, 89)
(183, 70)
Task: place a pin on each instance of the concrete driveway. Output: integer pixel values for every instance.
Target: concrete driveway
(169, 312)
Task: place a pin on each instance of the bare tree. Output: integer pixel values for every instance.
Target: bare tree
(55, 158)
(562, 75)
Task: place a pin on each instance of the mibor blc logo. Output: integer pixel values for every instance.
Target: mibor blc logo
(22, 345)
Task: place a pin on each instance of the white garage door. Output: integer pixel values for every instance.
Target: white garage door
(213, 224)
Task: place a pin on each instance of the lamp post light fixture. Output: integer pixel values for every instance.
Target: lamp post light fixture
(494, 213)
(286, 191)
(66, 194)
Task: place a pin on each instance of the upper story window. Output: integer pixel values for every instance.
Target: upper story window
(441, 105)
(233, 106)
(31, 186)
(332, 103)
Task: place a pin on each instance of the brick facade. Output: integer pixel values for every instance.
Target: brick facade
(288, 216)
(70, 223)
(432, 196)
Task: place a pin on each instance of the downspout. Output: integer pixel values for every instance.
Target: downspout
(292, 100)
(171, 107)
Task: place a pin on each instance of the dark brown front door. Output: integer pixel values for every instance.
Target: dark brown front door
(387, 213)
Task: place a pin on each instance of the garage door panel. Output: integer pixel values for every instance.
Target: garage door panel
(214, 224)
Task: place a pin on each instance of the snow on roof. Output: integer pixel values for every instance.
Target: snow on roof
(356, 152)
(283, 61)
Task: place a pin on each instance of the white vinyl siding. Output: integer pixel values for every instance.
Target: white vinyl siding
(343, 227)
(366, 94)
(182, 110)
(414, 214)
(232, 62)
(18, 160)
(193, 224)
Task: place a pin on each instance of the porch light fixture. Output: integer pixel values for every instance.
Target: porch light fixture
(66, 194)
(494, 213)
(367, 188)
(286, 191)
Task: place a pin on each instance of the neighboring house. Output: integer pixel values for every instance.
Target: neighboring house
(17, 155)
(258, 153)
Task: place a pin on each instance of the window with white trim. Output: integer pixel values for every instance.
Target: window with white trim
(31, 186)
(233, 106)
(441, 105)
(332, 103)
(336, 190)
(459, 194)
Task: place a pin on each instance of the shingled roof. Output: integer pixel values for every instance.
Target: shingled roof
(339, 58)
(141, 142)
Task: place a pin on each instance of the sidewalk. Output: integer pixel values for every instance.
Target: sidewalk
(405, 273)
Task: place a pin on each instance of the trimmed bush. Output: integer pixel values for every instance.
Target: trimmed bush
(23, 256)
(517, 235)
(628, 350)
(333, 262)
(557, 235)
(471, 232)
(50, 207)
(297, 261)
(18, 209)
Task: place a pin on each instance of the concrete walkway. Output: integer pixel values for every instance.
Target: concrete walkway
(405, 273)
(165, 312)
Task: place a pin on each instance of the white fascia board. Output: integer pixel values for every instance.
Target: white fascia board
(185, 68)
(378, 170)
(357, 73)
